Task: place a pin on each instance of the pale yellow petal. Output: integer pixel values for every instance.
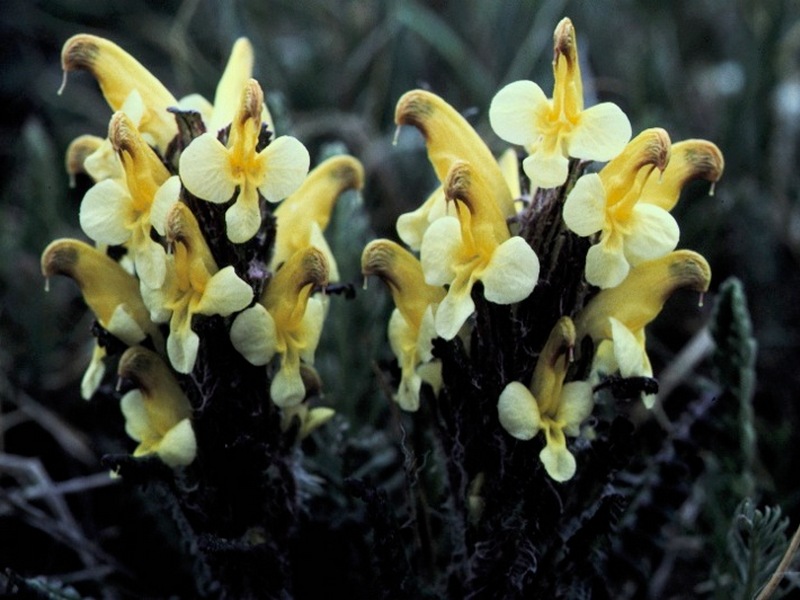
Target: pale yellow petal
(225, 293)
(93, 376)
(585, 208)
(178, 447)
(606, 266)
(137, 423)
(601, 134)
(150, 261)
(286, 166)
(312, 328)
(411, 226)
(124, 326)
(627, 350)
(237, 73)
(287, 387)
(454, 311)
(182, 345)
(654, 233)
(512, 272)
(439, 250)
(546, 169)
(518, 411)
(253, 335)
(575, 406)
(198, 104)
(243, 218)
(206, 171)
(513, 112)
(165, 198)
(317, 239)
(105, 213)
(557, 460)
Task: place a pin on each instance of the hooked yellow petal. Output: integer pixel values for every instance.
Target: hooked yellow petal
(449, 137)
(118, 74)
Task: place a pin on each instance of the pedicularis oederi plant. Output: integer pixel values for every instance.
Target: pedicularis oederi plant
(522, 290)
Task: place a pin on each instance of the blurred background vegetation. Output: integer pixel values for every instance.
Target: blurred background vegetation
(724, 70)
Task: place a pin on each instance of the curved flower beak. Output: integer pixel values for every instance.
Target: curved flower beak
(118, 74)
(449, 138)
(690, 160)
(78, 151)
(641, 296)
(109, 290)
(157, 413)
(304, 216)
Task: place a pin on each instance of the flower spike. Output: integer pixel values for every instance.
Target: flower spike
(118, 74)
(449, 138)
(286, 321)
(157, 414)
(303, 217)
(552, 130)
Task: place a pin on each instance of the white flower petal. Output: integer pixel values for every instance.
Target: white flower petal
(124, 326)
(585, 209)
(513, 111)
(225, 293)
(93, 376)
(439, 250)
(105, 213)
(558, 461)
(601, 134)
(454, 311)
(575, 406)
(253, 335)
(151, 264)
(606, 266)
(205, 169)
(178, 447)
(627, 350)
(182, 345)
(518, 411)
(546, 169)
(654, 233)
(243, 219)
(287, 387)
(512, 272)
(137, 421)
(165, 198)
(286, 166)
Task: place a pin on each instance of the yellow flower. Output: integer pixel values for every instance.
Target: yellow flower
(157, 413)
(111, 293)
(309, 418)
(303, 217)
(449, 138)
(631, 231)
(238, 71)
(119, 74)
(214, 171)
(616, 317)
(474, 246)
(286, 321)
(118, 211)
(194, 285)
(549, 404)
(411, 326)
(554, 129)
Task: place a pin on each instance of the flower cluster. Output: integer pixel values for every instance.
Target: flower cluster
(180, 213)
(486, 237)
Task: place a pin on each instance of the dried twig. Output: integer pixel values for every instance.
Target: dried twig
(783, 566)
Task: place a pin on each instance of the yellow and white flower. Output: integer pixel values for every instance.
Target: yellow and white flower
(215, 171)
(157, 413)
(286, 321)
(552, 130)
(549, 404)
